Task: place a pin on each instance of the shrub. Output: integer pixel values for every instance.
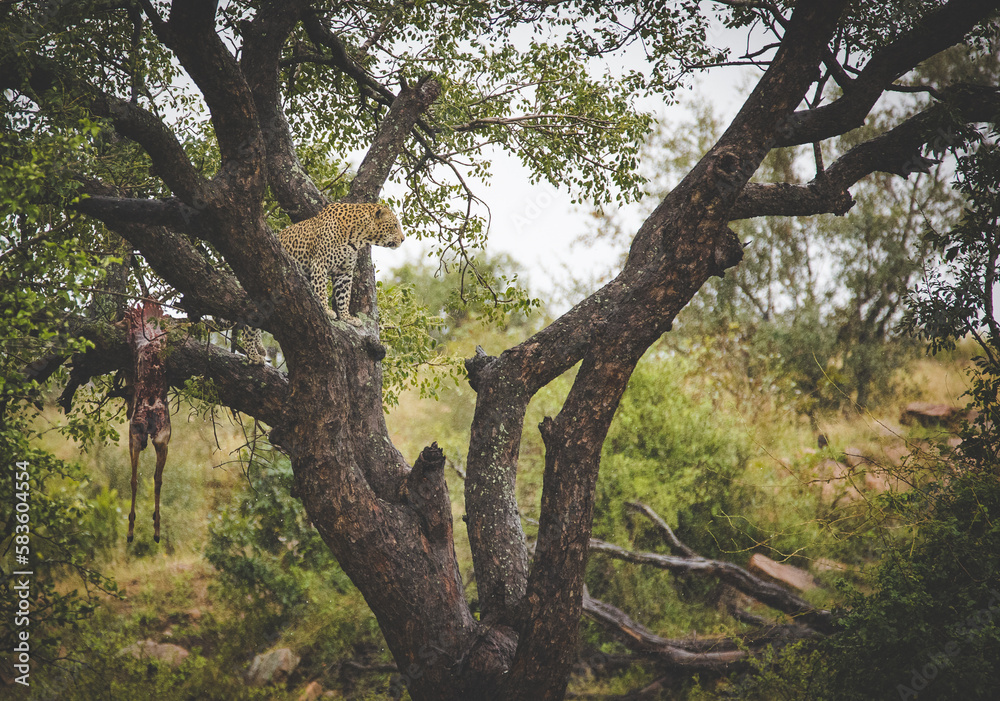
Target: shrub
(930, 629)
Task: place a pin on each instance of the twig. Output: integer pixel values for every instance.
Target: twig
(665, 529)
(459, 470)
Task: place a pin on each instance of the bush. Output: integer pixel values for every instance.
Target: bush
(265, 548)
(110, 675)
(931, 627)
(673, 452)
(56, 541)
(280, 580)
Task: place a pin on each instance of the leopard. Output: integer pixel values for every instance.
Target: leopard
(327, 245)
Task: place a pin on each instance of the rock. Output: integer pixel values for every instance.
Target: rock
(929, 414)
(897, 453)
(853, 456)
(173, 655)
(272, 667)
(876, 481)
(312, 692)
(825, 564)
(789, 575)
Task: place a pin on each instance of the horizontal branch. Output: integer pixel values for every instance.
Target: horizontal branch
(258, 391)
(40, 75)
(206, 289)
(787, 200)
(716, 654)
(112, 210)
(672, 652)
(898, 151)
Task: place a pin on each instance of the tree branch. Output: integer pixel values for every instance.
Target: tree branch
(258, 391)
(339, 58)
(709, 654)
(897, 151)
(392, 135)
(206, 290)
(190, 33)
(112, 210)
(388, 143)
(131, 121)
(765, 592)
(264, 38)
(665, 530)
(683, 242)
(673, 653)
(937, 31)
(505, 384)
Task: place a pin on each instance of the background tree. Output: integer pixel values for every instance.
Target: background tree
(186, 119)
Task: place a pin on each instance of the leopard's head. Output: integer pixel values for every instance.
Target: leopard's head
(385, 228)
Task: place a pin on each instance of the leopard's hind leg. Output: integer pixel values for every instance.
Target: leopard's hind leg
(252, 341)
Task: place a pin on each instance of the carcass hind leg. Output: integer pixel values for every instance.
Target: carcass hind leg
(160, 444)
(134, 448)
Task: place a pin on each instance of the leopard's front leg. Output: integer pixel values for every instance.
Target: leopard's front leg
(342, 297)
(318, 270)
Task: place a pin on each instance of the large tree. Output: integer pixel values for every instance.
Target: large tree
(103, 111)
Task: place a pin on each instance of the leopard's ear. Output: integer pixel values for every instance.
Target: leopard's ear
(380, 212)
